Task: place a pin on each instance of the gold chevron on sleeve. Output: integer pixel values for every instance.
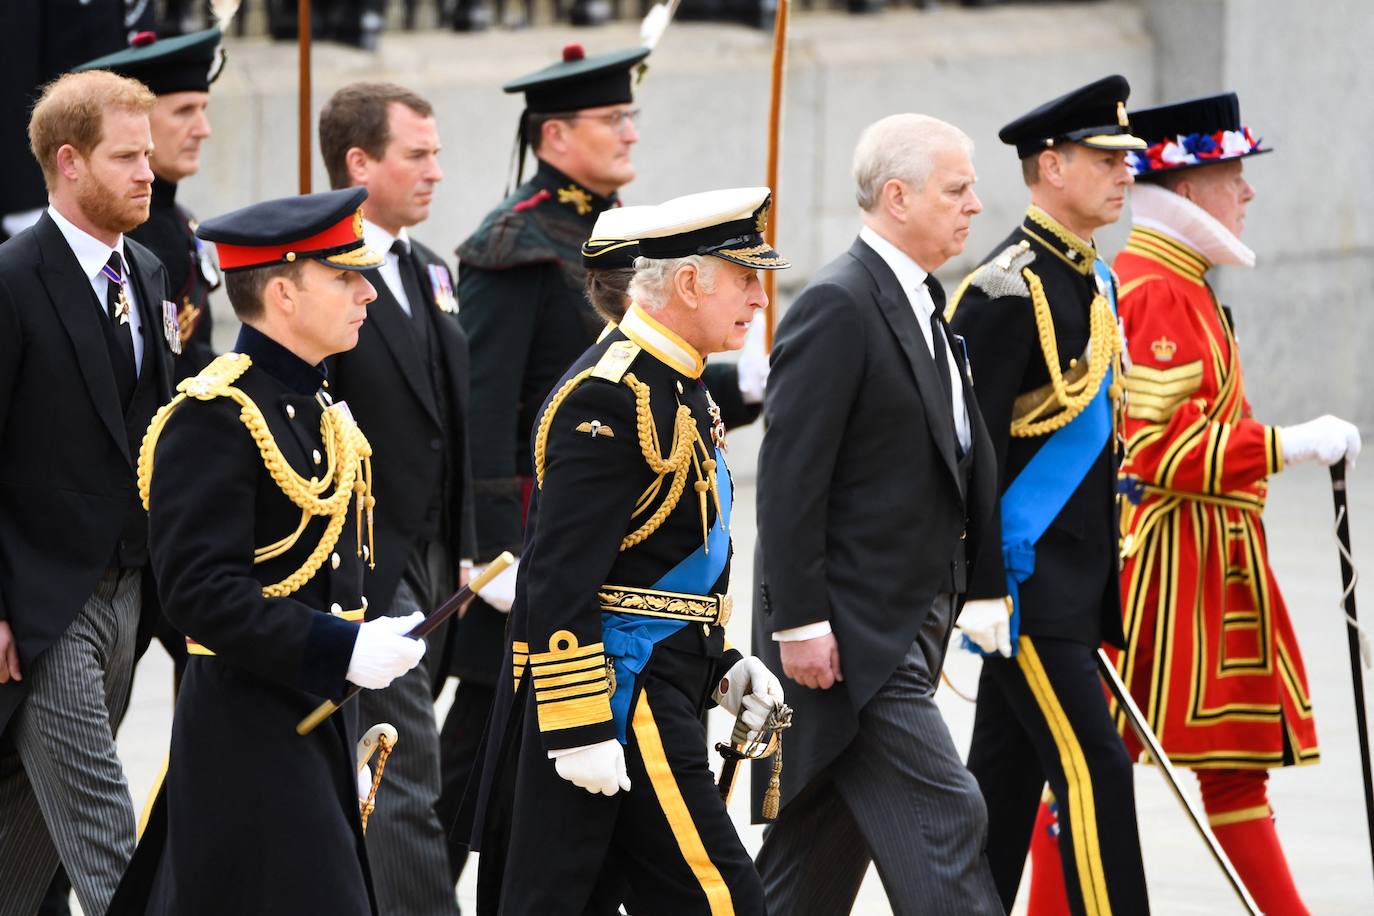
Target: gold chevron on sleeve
(1154, 394)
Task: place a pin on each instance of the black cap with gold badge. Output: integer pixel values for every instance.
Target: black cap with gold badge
(726, 224)
(186, 63)
(324, 227)
(1092, 115)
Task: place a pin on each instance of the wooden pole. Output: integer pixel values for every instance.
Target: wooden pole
(770, 234)
(303, 98)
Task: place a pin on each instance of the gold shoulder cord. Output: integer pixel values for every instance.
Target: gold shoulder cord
(1104, 351)
(688, 452)
(348, 471)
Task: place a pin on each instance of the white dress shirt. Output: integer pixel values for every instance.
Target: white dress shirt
(913, 282)
(93, 254)
(380, 241)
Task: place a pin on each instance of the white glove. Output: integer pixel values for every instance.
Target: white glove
(383, 653)
(499, 592)
(598, 768)
(752, 367)
(749, 690)
(364, 783)
(1328, 439)
(987, 625)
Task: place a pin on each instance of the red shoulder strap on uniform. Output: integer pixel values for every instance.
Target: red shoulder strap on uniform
(534, 201)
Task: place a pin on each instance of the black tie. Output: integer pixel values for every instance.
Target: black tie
(118, 307)
(410, 282)
(937, 339)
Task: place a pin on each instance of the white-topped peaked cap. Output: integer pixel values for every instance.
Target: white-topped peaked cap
(728, 224)
(615, 238)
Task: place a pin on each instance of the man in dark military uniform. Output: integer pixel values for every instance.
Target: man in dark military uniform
(179, 71)
(257, 485)
(406, 383)
(520, 287)
(1044, 593)
(617, 629)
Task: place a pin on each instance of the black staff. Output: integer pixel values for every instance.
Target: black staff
(1353, 634)
(455, 602)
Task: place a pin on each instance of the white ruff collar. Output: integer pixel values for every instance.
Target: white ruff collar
(1179, 218)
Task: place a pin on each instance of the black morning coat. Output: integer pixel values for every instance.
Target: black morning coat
(68, 449)
(861, 505)
(1074, 592)
(421, 474)
(251, 817)
(190, 274)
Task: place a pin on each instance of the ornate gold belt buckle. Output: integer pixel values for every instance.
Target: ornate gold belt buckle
(726, 605)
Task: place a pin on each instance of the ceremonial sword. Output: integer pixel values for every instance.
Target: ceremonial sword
(455, 602)
(1147, 738)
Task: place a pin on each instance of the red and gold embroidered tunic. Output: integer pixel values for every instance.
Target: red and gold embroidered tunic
(1211, 656)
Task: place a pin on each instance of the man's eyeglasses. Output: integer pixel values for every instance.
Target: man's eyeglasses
(615, 120)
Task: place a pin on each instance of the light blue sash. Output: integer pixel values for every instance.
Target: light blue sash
(1038, 494)
(629, 639)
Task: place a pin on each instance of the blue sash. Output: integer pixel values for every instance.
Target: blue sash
(629, 639)
(1038, 494)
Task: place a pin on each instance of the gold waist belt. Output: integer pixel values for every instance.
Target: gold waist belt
(353, 616)
(651, 602)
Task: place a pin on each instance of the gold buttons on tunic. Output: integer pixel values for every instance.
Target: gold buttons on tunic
(290, 412)
(334, 561)
(316, 455)
(336, 609)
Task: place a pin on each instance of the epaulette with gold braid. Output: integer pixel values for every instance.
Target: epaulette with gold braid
(348, 468)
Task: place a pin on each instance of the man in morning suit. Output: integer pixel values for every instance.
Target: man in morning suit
(179, 71)
(85, 362)
(1044, 594)
(406, 383)
(876, 479)
(257, 485)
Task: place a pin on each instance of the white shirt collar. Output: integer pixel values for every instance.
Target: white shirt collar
(909, 274)
(91, 253)
(380, 241)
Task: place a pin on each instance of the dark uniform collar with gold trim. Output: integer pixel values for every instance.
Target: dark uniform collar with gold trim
(1055, 237)
(279, 362)
(661, 343)
(569, 194)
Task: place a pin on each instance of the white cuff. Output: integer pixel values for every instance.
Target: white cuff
(805, 631)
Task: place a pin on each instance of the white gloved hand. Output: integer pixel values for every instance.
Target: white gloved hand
(364, 783)
(749, 690)
(382, 651)
(1328, 439)
(752, 367)
(499, 592)
(987, 624)
(598, 768)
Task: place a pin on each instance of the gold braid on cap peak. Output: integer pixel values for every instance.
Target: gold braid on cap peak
(1068, 399)
(348, 471)
(682, 457)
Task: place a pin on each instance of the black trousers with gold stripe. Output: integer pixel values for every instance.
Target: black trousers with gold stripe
(669, 839)
(1042, 717)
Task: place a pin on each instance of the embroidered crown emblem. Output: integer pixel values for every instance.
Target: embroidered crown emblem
(1164, 349)
(761, 221)
(1121, 115)
(358, 223)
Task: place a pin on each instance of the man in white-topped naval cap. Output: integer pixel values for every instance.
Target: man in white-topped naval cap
(618, 625)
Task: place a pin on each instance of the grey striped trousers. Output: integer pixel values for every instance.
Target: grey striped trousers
(62, 788)
(899, 797)
(407, 846)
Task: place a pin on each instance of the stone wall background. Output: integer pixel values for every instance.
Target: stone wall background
(1298, 67)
